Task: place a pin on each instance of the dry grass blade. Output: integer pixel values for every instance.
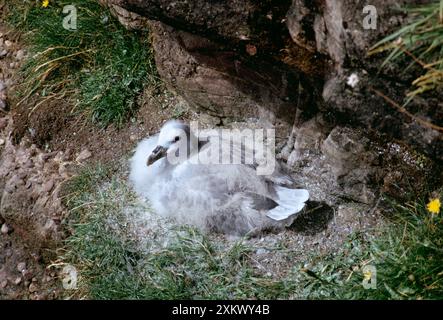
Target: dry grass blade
(403, 110)
(61, 58)
(422, 40)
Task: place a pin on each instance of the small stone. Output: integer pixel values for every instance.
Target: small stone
(3, 283)
(47, 187)
(17, 181)
(35, 256)
(42, 296)
(5, 229)
(251, 49)
(34, 296)
(3, 123)
(3, 53)
(8, 253)
(17, 281)
(27, 275)
(47, 156)
(2, 142)
(85, 154)
(9, 188)
(28, 164)
(32, 132)
(52, 295)
(33, 287)
(261, 251)
(50, 226)
(22, 175)
(20, 54)
(8, 43)
(2, 105)
(21, 266)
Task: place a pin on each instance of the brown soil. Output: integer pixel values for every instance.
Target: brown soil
(49, 137)
(67, 135)
(53, 126)
(37, 281)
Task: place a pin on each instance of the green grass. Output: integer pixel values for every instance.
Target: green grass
(101, 63)
(407, 256)
(113, 264)
(422, 42)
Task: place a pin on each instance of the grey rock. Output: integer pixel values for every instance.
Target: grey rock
(47, 186)
(17, 281)
(21, 267)
(84, 155)
(20, 54)
(3, 123)
(33, 287)
(261, 251)
(5, 229)
(195, 58)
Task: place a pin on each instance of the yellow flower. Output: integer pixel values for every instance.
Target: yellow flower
(434, 206)
(45, 3)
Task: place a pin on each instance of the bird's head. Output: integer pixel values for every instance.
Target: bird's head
(173, 142)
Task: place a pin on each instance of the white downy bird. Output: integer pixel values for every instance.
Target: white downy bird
(225, 198)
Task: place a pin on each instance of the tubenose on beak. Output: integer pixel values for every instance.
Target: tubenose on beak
(158, 153)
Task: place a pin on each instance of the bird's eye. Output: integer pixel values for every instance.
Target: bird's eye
(176, 138)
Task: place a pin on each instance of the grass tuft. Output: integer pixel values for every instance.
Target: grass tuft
(114, 262)
(406, 255)
(422, 42)
(101, 62)
(115, 265)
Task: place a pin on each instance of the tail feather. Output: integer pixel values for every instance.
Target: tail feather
(290, 202)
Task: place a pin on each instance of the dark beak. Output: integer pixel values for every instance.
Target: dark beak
(158, 153)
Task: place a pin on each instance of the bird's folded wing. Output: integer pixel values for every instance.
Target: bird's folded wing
(290, 202)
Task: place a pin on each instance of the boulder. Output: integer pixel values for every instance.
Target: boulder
(241, 59)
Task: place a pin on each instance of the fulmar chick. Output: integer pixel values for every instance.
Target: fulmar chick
(226, 198)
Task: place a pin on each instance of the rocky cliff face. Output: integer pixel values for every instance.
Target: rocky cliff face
(300, 67)
(264, 59)
(297, 66)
